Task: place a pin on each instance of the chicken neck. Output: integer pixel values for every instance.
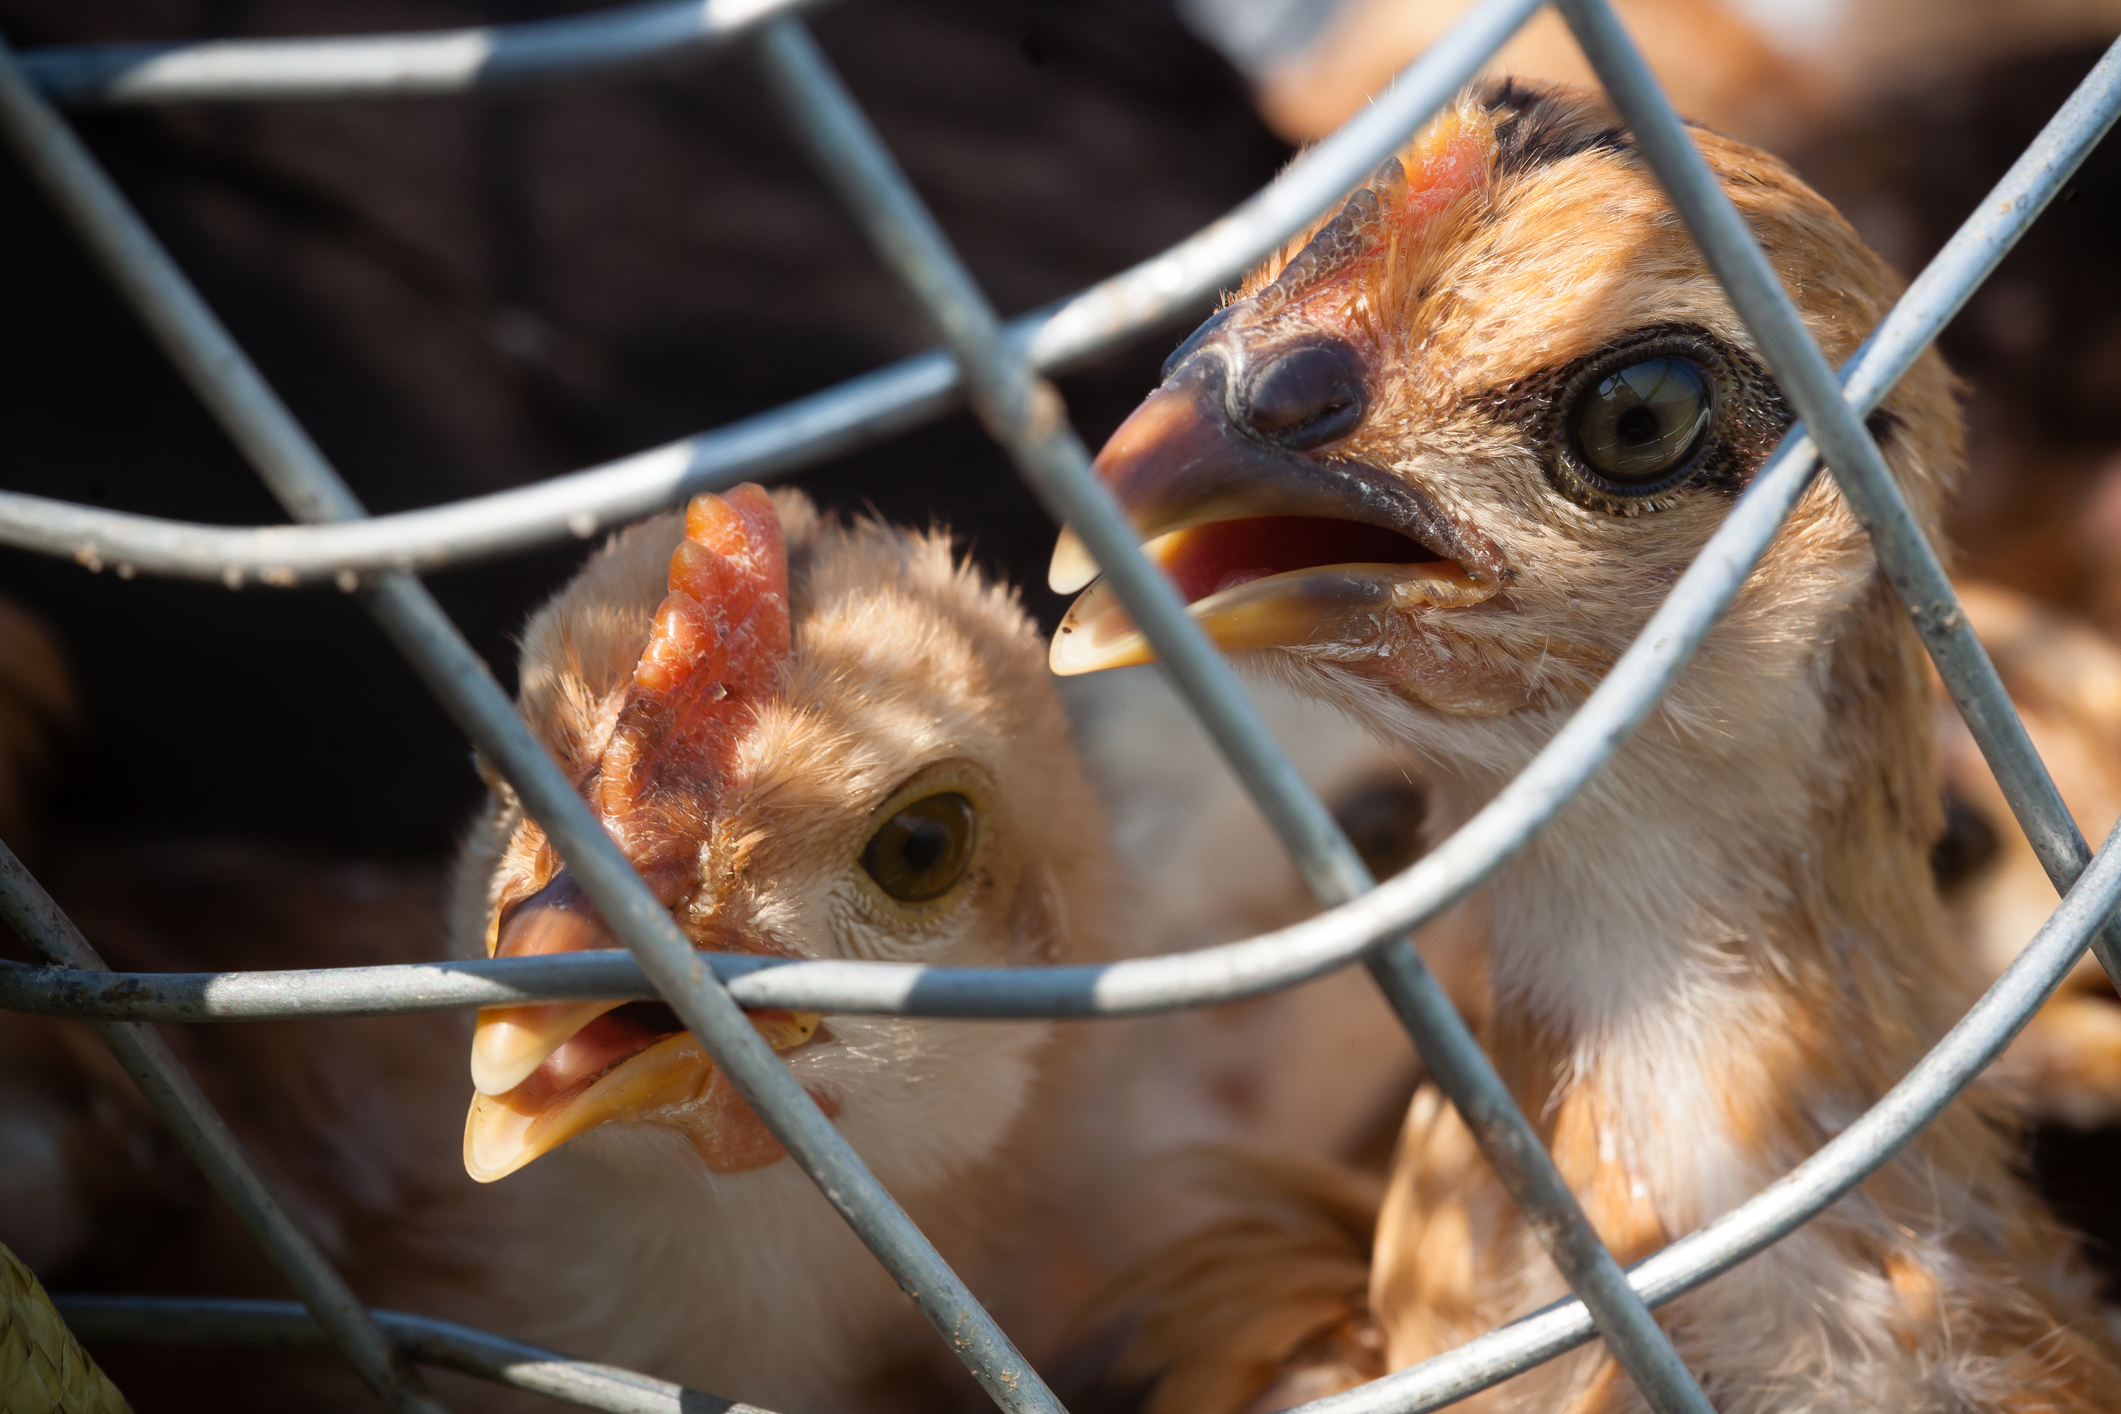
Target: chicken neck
(1722, 952)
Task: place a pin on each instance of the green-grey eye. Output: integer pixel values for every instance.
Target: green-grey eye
(1636, 424)
(920, 853)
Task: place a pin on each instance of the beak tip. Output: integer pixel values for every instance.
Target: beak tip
(1094, 636)
(1071, 568)
(488, 1126)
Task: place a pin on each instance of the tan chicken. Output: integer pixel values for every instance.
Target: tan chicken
(1437, 464)
(817, 740)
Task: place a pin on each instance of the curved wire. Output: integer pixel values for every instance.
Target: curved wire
(201, 1320)
(809, 429)
(1597, 731)
(1272, 960)
(422, 64)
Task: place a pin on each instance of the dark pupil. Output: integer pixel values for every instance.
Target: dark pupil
(919, 853)
(924, 846)
(1638, 425)
(1635, 425)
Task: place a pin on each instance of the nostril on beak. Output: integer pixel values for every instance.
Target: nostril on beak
(1305, 397)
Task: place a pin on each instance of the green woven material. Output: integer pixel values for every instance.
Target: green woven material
(43, 1369)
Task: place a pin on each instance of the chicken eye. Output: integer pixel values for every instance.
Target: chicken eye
(1637, 423)
(920, 853)
(1383, 821)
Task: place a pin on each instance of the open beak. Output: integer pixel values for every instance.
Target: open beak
(546, 1074)
(1272, 546)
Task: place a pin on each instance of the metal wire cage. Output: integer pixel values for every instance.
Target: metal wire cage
(997, 368)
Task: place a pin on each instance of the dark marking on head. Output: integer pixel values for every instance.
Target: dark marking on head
(1967, 846)
(1536, 125)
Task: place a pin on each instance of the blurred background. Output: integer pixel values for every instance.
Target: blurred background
(458, 296)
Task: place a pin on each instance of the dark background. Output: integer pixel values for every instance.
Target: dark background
(457, 296)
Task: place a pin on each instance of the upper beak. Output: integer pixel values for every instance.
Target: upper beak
(1273, 546)
(547, 1073)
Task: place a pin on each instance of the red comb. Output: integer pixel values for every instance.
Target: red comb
(1447, 161)
(714, 653)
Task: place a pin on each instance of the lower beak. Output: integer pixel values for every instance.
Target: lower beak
(672, 1079)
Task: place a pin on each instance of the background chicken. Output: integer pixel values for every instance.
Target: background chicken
(1317, 1073)
(1440, 461)
(2065, 679)
(898, 784)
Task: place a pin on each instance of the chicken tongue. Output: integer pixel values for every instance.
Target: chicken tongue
(670, 1081)
(1325, 606)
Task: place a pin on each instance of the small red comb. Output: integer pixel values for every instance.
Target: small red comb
(1447, 161)
(715, 651)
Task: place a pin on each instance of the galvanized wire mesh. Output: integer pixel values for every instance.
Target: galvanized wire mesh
(996, 368)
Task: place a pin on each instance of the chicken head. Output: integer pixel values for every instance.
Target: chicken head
(1450, 449)
(813, 741)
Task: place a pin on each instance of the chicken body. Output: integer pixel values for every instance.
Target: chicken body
(1437, 464)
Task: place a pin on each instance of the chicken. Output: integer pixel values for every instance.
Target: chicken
(2065, 679)
(816, 740)
(1319, 1072)
(868, 764)
(1437, 464)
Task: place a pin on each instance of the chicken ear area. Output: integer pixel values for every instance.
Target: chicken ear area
(713, 655)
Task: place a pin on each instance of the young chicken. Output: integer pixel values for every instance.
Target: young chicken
(817, 740)
(1437, 464)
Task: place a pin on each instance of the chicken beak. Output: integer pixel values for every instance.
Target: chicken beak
(598, 1073)
(508, 1043)
(1178, 459)
(504, 1132)
(1184, 472)
(1336, 604)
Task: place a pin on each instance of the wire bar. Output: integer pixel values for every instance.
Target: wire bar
(1904, 552)
(420, 65)
(282, 1325)
(862, 410)
(1024, 413)
(176, 1097)
(1231, 971)
(304, 482)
